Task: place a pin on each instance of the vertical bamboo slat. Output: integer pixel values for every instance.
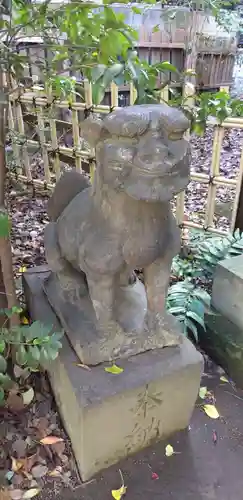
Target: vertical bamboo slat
(237, 193)
(54, 142)
(76, 137)
(89, 104)
(133, 94)
(16, 148)
(41, 130)
(214, 171)
(24, 148)
(114, 95)
(188, 94)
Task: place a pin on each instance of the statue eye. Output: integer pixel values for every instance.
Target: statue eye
(124, 124)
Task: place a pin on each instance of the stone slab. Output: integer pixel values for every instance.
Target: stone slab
(109, 417)
(223, 341)
(227, 294)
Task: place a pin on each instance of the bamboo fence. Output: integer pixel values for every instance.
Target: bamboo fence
(52, 148)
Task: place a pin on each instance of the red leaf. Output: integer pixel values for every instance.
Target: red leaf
(155, 475)
(215, 437)
(51, 440)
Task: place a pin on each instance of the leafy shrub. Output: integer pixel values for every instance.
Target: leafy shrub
(186, 300)
(30, 346)
(188, 303)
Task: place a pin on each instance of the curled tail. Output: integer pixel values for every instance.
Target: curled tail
(68, 186)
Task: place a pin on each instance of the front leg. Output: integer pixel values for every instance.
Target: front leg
(157, 278)
(102, 291)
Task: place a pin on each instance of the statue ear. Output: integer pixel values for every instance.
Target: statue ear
(91, 129)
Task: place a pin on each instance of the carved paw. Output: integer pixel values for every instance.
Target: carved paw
(164, 329)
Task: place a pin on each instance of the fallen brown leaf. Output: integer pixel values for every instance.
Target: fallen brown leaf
(81, 365)
(59, 447)
(55, 472)
(19, 447)
(4, 494)
(16, 494)
(49, 440)
(16, 464)
(39, 471)
(15, 402)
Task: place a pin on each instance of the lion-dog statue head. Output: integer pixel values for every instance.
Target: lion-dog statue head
(141, 151)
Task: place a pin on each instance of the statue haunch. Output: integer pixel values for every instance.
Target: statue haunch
(98, 235)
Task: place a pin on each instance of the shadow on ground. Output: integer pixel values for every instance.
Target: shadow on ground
(201, 470)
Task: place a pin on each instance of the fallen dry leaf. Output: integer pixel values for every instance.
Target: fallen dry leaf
(224, 379)
(24, 320)
(16, 494)
(114, 369)
(49, 440)
(214, 437)
(15, 402)
(55, 472)
(211, 411)
(16, 464)
(202, 392)
(32, 492)
(30, 461)
(155, 475)
(28, 396)
(22, 269)
(169, 450)
(19, 447)
(81, 365)
(39, 471)
(118, 494)
(59, 448)
(4, 494)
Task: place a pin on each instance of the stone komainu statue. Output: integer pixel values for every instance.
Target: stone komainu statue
(99, 234)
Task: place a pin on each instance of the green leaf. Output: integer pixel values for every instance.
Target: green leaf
(196, 318)
(177, 310)
(167, 66)
(2, 394)
(5, 225)
(156, 28)
(3, 364)
(97, 72)
(37, 330)
(111, 73)
(6, 382)
(21, 355)
(2, 345)
(98, 93)
(34, 351)
(136, 10)
(203, 295)
(198, 307)
(192, 327)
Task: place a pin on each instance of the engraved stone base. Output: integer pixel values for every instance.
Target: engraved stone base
(107, 416)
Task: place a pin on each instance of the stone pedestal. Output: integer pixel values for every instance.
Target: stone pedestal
(227, 295)
(223, 339)
(107, 416)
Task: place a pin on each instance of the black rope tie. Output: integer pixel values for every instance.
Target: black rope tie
(88, 111)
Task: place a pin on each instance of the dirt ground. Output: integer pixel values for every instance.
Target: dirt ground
(207, 464)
